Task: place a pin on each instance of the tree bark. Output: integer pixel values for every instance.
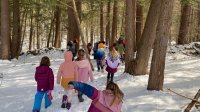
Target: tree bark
(198, 32)
(16, 37)
(156, 76)
(92, 24)
(24, 29)
(50, 31)
(139, 23)
(147, 40)
(86, 34)
(81, 32)
(38, 24)
(5, 30)
(108, 23)
(31, 30)
(0, 31)
(192, 24)
(130, 34)
(53, 35)
(184, 24)
(73, 32)
(101, 22)
(92, 34)
(114, 22)
(57, 32)
(122, 21)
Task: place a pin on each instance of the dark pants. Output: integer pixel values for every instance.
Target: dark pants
(110, 77)
(99, 65)
(80, 96)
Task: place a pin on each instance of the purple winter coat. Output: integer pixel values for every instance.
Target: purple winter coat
(112, 64)
(44, 78)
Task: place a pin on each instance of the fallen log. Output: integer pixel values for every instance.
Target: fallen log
(192, 102)
(197, 106)
(195, 100)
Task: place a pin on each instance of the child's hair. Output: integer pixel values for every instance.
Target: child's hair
(81, 53)
(113, 51)
(45, 61)
(118, 94)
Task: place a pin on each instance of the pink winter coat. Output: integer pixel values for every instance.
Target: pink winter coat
(84, 71)
(101, 103)
(67, 69)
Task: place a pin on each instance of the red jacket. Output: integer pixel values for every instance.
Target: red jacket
(44, 78)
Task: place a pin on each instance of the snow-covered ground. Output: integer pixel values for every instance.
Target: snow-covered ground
(182, 74)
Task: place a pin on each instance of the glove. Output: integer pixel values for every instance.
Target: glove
(50, 95)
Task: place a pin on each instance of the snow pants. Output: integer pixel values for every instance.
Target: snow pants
(38, 100)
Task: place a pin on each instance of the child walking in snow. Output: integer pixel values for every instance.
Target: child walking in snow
(100, 55)
(112, 62)
(84, 71)
(45, 84)
(67, 72)
(108, 100)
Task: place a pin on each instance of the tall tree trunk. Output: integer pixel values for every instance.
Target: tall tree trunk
(139, 23)
(38, 24)
(81, 32)
(147, 40)
(92, 34)
(5, 30)
(114, 22)
(33, 37)
(191, 30)
(57, 33)
(122, 21)
(0, 31)
(130, 34)
(198, 32)
(61, 36)
(50, 31)
(156, 76)
(24, 30)
(184, 23)
(53, 35)
(16, 37)
(86, 34)
(108, 23)
(73, 32)
(31, 31)
(101, 22)
(92, 24)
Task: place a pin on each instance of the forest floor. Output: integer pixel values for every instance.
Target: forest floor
(182, 74)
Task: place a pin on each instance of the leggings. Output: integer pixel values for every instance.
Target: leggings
(110, 77)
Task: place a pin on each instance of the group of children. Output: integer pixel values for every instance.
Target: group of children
(75, 75)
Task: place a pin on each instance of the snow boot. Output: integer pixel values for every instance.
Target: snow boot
(64, 101)
(68, 105)
(80, 98)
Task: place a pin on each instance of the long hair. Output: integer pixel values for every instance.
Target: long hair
(45, 61)
(113, 52)
(118, 94)
(81, 54)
